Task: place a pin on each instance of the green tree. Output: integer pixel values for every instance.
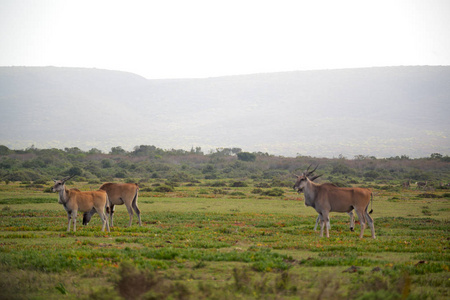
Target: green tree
(75, 171)
(95, 151)
(117, 151)
(436, 156)
(246, 156)
(4, 150)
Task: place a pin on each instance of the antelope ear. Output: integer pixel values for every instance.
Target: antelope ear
(295, 175)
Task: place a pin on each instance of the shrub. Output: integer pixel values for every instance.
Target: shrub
(280, 183)
(428, 195)
(276, 192)
(239, 184)
(94, 181)
(219, 191)
(75, 171)
(164, 189)
(246, 156)
(263, 185)
(371, 175)
(40, 181)
(218, 184)
(25, 175)
(341, 169)
(239, 194)
(120, 174)
(257, 191)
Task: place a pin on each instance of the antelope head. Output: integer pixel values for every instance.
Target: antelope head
(300, 184)
(59, 184)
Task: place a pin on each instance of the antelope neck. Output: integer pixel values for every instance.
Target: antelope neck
(310, 193)
(63, 196)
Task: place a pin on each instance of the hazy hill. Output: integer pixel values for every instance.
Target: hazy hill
(376, 111)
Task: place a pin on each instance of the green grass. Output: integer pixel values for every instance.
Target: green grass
(198, 244)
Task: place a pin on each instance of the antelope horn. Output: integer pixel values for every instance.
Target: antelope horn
(315, 177)
(306, 172)
(310, 173)
(67, 178)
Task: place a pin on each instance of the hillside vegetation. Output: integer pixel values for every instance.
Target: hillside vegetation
(149, 163)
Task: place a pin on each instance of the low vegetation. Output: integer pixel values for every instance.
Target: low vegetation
(216, 227)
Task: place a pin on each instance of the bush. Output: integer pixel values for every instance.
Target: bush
(23, 175)
(40, 181)
(164, 189)
(257, 191)
(218, 184)
(246, 156)
(106, 163)
(239, 184)
(371, 175)
(239, 194)
(75, 171)
(120, 174)
(276, 192)
(94, 181)
(280, 183)
(341, 169)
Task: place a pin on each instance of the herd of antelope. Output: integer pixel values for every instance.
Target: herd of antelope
(324, 198)
(91, 202)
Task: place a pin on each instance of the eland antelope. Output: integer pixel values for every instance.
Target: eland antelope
(350, 214)
(74, 200)
(119, 193)
(422, 184)
(407, 184)
(326, 198)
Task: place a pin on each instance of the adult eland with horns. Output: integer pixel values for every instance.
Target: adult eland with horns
(326, 198)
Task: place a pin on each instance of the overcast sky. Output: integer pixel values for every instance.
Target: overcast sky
(196, 38)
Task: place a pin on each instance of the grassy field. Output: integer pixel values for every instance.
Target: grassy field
(201, 242)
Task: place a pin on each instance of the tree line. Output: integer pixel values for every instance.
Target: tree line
(147, 162)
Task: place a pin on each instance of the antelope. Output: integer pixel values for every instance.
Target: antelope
(74, 200)
(350, 214)
(326, 198)
(407, 184)
(119, 193)
(421, 184)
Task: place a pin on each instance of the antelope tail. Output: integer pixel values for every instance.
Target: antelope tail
(371, 203)
(108, 204)
(135, 195)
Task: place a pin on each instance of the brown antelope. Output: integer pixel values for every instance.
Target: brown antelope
(407, 184)
(74, 200)
(119, 193)
(421, 184)
(350, 214)
(326, 198)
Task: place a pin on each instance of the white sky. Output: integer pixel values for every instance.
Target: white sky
(196, 38)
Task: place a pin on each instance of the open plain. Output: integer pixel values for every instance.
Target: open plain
(203, 242)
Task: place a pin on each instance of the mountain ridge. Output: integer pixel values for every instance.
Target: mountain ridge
(372, 111)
